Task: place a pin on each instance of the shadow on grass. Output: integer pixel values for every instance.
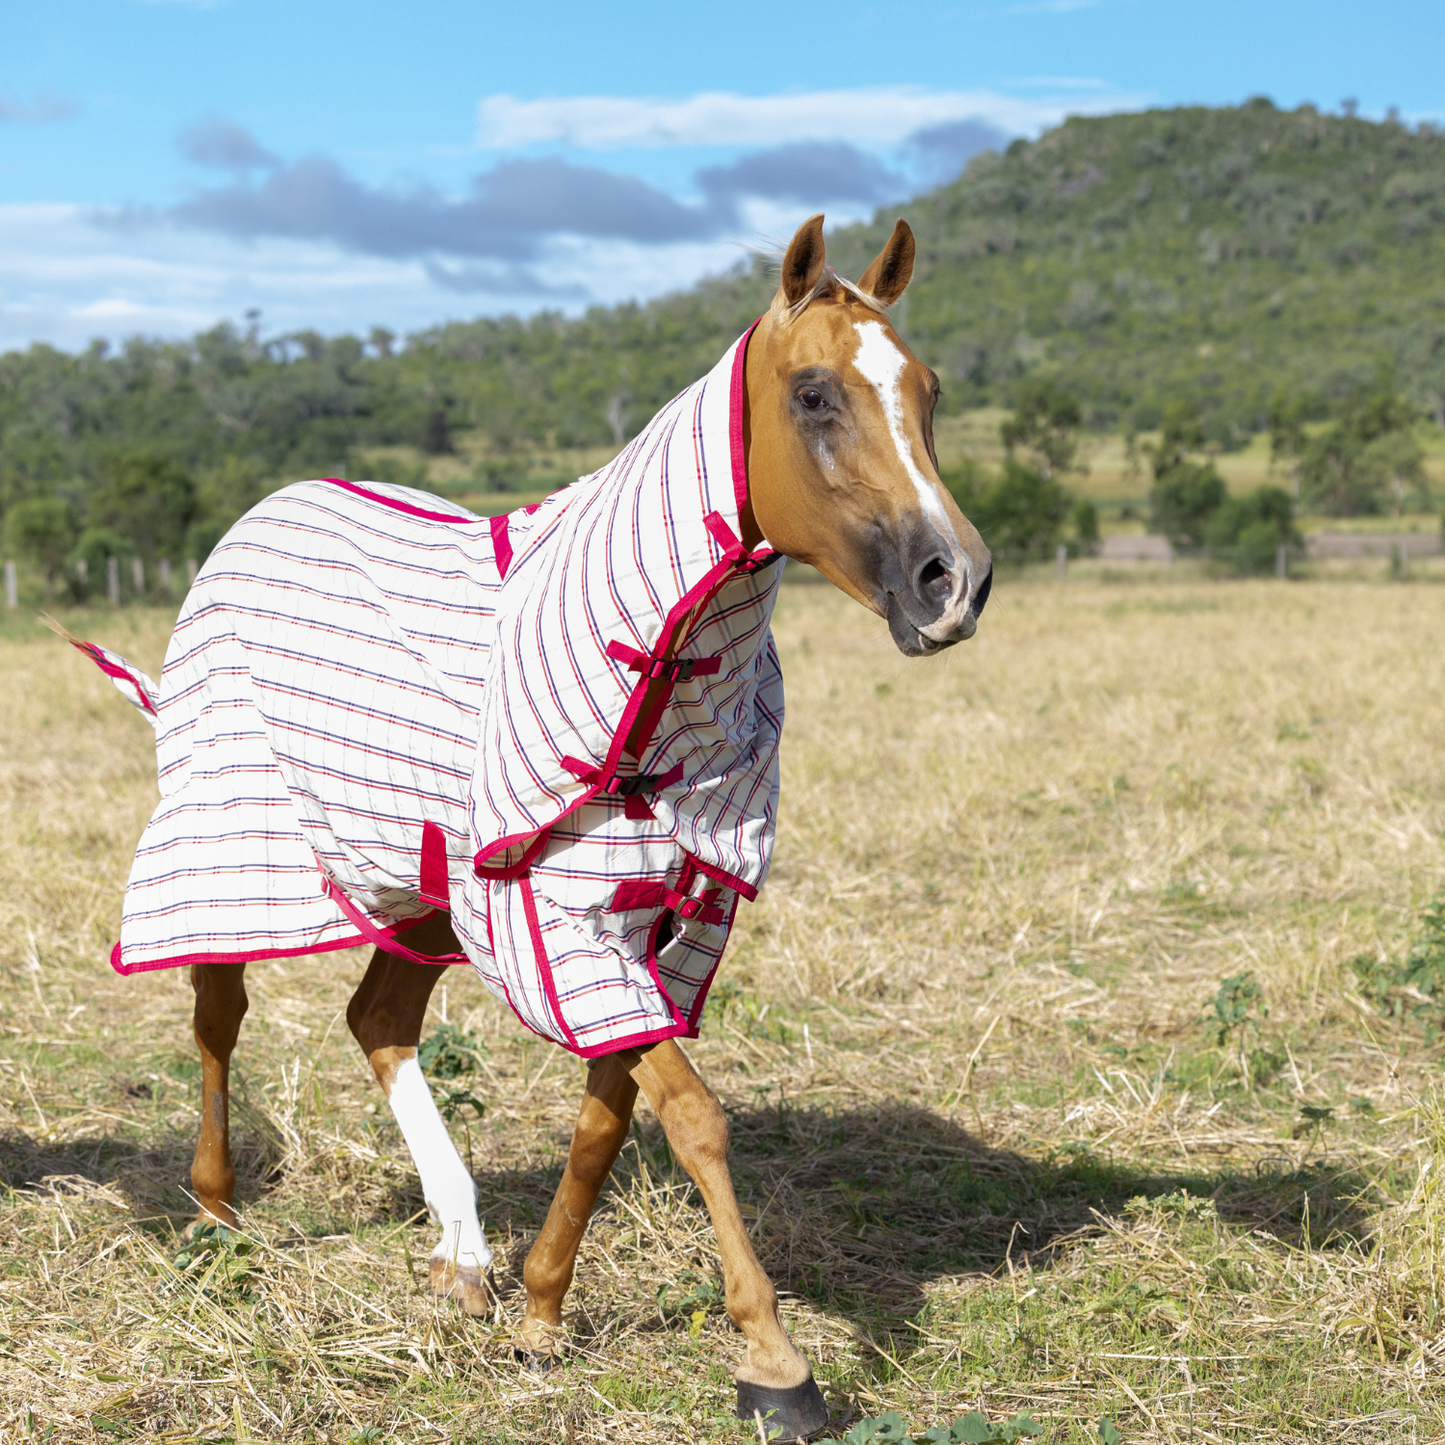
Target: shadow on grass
(855, 1209)
(859, 1209)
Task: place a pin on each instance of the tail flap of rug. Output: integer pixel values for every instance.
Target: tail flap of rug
(132, 684)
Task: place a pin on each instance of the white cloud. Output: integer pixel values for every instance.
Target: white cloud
(868, 116)
(64, 280)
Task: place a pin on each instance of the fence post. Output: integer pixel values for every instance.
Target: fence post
(82, 572)
(112, 581)
(1061, 559)
(1281, 561)
(1168, 554)
(164, 566)
(12, 598)
(191, 570)
(138, 578)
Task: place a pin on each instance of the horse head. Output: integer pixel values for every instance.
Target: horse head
(842, 472)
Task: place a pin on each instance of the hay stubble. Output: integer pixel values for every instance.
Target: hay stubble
(962, 1029)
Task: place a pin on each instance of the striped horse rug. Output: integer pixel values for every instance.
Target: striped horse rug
(376, 704)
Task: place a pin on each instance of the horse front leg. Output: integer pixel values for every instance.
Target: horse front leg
(220, 1006)
(596, 1141)
(775, 1378)
(385, 1016)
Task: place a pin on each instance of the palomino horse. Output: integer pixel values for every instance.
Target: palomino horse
(827, 419)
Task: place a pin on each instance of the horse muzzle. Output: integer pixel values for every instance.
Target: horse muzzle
(934, 591)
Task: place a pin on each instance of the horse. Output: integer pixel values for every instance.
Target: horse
(814, 436)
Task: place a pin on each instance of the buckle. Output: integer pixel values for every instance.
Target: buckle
(679, 670)
(689, 908)
(619, 787)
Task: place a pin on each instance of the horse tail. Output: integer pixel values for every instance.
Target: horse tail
(133, 685)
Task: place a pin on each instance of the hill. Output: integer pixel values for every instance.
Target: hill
(1212, 255)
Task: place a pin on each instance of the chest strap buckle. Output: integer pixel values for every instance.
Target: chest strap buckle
(680, 669)
(616, 785)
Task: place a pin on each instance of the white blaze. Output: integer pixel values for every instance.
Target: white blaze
(880, 363)
(451, 1193)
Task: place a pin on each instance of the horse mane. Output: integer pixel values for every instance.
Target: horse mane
(828, 283)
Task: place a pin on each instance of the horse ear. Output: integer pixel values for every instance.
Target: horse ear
(804, 262)
(888, 277)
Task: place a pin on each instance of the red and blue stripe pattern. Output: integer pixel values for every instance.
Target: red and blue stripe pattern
(376, 702)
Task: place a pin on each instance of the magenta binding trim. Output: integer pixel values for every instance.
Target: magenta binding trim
(720, 875)
(694, 1019)
(111, 670)
(735, 420)
(544, 965)
(517, 869)
(710, 582)
(501, 544)
(381, 939)
(680, 1028)
(506, 992)
(400, 506)
(259, 955)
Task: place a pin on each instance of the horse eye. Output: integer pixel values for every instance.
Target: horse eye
(811, 398)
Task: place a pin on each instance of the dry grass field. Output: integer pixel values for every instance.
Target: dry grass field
(997, 1145)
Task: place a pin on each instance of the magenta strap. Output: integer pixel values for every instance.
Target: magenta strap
(636, 894)
(501, 544)
(681, 669)
(435, 886)
(375, 936)
(614, 785)
(732, 548)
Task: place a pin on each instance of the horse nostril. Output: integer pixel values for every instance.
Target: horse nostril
(934, 581)
(981, 596)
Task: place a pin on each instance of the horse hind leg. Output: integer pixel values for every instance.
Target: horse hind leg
(385, 1016)
(597, 1139)
(220, 1006)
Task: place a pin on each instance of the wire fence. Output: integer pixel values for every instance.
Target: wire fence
(120, 582)
(135, 581)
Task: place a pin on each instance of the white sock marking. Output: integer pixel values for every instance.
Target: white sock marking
(880, 363)
(451, 1193)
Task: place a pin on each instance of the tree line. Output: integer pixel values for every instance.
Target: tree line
(1207, 274)
(1366, 461)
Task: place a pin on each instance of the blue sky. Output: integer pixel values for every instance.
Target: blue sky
(165, 164)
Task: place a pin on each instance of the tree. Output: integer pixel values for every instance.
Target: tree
(1020, 511)
(436, 436)
(1185, 493)
(147, 498)
(42, 528)
(1287, 435)
(1248, 531)
(97, 545)
(1365, 457)
(1086, 524)
(1046, 421)
(1389, 462)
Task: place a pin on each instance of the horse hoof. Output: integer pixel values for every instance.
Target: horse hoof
(538, 1363)
(795, 1412)
(474, 1290)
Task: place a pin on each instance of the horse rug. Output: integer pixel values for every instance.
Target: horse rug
(562, 725)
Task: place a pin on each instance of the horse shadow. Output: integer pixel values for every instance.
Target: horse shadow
(856, 1210)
